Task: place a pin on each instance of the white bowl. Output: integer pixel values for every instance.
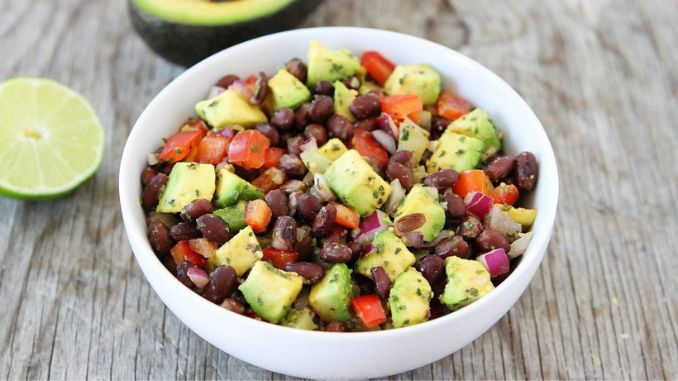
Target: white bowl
(338, 355)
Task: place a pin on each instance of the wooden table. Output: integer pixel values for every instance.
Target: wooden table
(600, 74)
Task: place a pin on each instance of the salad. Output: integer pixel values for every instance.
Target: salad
(339, 194)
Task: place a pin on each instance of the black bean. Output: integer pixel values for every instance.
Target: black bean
(223, 282)
(277, 201)
(184, 231)
(338, 235)
(147, 174)
(489, 239)
(233, 306)
(260, 89)
(340, 127)
(297, 68)
(248, 174)
(316, 131)
(500, 167)
(310, 271)
(351, 82)
(182, 273)
(283, 118)
(227, 80)
(404, 157)
(324, 88)
(455, 205)
(195, 209)
(304, 244)
(526, 171)
(335, 253)
(335, 326)
(431, 267)
(324, 221)
(442, 180)
(302, 117)
(213, 228)
(270, 132)
(292, 165)
(159, 236)
(308, 207)
(284, 234)
(454, 246)
(395, 170)
(408, 223)
(321, 108)
(382, 283)
(294, 145)
(356, 248)
(470, 227)
(151, 193)
(365, 106)
(438, 125)
(168, 262)
(369, 124)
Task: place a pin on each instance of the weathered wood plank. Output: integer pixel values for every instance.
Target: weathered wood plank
(600, 75)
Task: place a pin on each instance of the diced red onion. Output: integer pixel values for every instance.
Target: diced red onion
(519, 246)
(321, 189)
(443, 235)
(386, 123)
(385, 140)
(227, 132)
(397, 194)
(309, 145)
(240, 87)
(501, 222)
(478, 204)
(215, 91)
(198, 276)
(413, 239)
(367, 250)
(152, 158)
(374, 223)
(496, 262)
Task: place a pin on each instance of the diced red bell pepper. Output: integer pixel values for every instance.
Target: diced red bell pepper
(182, 252)
(369, 310)
(377, 66)
(258, 215)
(452, 106)
(505, 194)
(272, 157)
(280, 258)
(213, 148)
(179, 145)
(347, 217)
(400, 106)
(367, 145)
(251, 81)
(248, 149)
(204, 247)
(473, 180)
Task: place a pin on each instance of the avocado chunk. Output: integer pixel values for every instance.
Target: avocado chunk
(467, 281)
(412, 138)
(240, 252)
(330, 297)
(285, 91)
(329, 65)
(421, 80)
(187, 182)
(233, 215)
(229, 109)
(455, 151)
(315, 161)
(419, 200)
(343, 96)
(269, 291)
(409, 299)
(477, 124)
(356, 183)
(333, 149)
(300, 319)
(231, 189)
(390, 253)
(185, 32)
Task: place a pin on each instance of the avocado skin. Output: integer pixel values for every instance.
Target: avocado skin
(188, 44)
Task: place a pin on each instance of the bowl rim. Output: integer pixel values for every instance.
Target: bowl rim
(535, 251)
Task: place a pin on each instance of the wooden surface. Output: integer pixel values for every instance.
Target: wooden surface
(602, 77)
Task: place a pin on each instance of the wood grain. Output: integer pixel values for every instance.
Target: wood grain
(601, 76)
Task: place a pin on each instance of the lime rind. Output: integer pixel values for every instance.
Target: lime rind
(70, 139)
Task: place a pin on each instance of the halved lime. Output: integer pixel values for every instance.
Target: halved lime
(52, 140)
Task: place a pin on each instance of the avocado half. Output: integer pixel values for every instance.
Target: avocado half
(187, 31)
